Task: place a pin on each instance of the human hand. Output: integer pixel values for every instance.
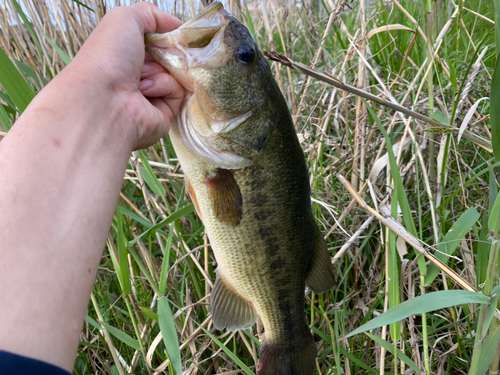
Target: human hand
(113, 60)
(79, 130)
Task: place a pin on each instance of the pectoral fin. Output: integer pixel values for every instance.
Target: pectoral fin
(230, 310)
(225, 196)
(321, 276)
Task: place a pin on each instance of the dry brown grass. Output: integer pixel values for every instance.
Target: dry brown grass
(381, 49)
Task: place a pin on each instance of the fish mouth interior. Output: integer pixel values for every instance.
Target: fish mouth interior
(198, 32)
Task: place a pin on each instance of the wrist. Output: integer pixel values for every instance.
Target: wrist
(87, 104)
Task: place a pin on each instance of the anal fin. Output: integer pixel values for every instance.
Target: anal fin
(321, 276)
(229, 309)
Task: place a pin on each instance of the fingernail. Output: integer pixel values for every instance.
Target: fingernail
(146, 68)
(145, 84)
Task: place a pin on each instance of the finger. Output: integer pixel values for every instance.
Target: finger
(148, 57)
(155, 20)
(164, 108)
(169, 107)
(161, 85)
(150, 69)
(156, 124)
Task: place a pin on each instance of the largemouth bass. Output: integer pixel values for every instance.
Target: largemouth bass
(246, 174)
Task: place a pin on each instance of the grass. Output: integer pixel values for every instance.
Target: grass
(150, 296)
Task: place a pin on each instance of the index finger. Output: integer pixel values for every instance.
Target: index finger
(154, 20)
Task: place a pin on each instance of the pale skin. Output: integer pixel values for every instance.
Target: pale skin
(61, 169)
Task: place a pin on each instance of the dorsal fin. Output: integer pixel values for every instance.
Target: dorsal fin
(321, 276)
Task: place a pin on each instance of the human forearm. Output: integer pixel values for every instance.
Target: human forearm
(61, 167)
(54, 234)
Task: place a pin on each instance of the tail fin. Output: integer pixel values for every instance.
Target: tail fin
(276, 360)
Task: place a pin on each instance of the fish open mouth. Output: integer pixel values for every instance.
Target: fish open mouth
(199, 45)
(196, 33)
(198, 42)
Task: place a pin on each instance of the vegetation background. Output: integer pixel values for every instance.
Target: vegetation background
(149, 309)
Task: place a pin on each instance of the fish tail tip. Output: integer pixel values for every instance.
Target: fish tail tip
(275, 360)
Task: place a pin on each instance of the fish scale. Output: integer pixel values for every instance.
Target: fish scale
(250, 187)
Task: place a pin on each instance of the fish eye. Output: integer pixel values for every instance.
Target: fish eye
(245, 53)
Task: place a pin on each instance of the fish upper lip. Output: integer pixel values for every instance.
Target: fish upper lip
(214, 8)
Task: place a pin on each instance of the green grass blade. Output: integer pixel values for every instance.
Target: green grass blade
(29, 72)
(114, 260)
(495, 293)
(124, 272)
(9, 107)
(151, 181)
(14, 83)
(165, 264)
(398, 183)
(176, 215)
(83, 5)
(483, 251)
(150, 314)
(169, 333)
(249, 20)
(63, 55)
(390, 348)
(122, 336)
(125, 211)
(27, 23)
(453, 75)
(92, 322)
(484, 352)
(497, 26)
(342, 351)
(145, 271)
(150, 177)
(229, 353)
(494, 221)
(5, 119)
(421, 305)
(451, 241)
(493, 187)
(439, 116)
(484, 243)
(393, 273)
(357, 361)
(495, 111)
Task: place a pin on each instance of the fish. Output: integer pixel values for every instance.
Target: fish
(246, 174)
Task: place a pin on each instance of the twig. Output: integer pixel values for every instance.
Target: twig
(401, 231)
(304, 69)
(353, 239)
